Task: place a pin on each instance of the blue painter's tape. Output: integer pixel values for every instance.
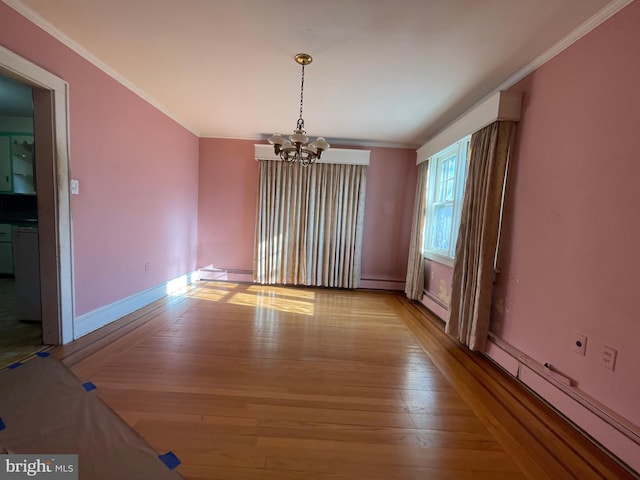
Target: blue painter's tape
(43, 354)
(15, 365)
(88, 386)
(170, 460)
(2, 425)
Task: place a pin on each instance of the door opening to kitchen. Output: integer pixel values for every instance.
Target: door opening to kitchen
(20, 305)
(51, 183)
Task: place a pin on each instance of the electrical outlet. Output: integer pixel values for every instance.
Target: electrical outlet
(608, 357)
(147, 266)
(579, 343)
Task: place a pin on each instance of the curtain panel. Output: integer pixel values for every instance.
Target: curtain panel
(471, 290)
(309, 224)
(414, 285)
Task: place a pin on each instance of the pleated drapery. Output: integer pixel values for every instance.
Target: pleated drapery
(414, 285)
(309, 224)
(471, 289)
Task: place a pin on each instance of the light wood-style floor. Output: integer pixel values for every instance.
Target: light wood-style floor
(253, 382)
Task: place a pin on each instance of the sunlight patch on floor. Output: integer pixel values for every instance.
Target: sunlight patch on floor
(207, 294)
(286, 291)
(273, 303)
(276, 298)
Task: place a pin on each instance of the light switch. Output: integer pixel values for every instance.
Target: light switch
(75, 186)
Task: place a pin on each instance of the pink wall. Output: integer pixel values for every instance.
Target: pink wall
(137, 170)
(391, 189)
(569, 260)
(438, 281)
(228, 186)
(437, 288)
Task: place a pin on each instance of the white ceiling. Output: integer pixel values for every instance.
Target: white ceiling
(391, 72)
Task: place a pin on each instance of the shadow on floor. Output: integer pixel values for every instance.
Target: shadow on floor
(18, 339)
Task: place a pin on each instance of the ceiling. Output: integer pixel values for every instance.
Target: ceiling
(384, 72)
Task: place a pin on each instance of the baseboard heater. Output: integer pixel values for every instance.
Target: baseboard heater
(231, 274)
(435, 299)
(520, 365)
(381, 284)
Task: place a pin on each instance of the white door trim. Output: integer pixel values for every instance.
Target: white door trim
(14, 66)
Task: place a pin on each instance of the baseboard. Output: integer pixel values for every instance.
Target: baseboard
(436, 307)
(220, 274)
(607, 428)
(212, 273)
(380, 284)
(91, 321)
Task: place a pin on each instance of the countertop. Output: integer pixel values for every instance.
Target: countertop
(19, 221)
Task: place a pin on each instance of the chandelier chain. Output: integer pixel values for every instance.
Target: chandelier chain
(296, 148)
(300, 123)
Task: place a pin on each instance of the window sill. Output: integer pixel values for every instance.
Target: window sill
(434, 257)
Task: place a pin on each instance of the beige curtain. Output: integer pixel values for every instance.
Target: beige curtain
(471, 289)
(414, 285)
(309, 224)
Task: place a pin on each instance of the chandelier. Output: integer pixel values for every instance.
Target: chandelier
(296, 148)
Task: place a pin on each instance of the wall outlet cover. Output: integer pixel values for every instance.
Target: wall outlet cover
(579, 345)
(608, 357)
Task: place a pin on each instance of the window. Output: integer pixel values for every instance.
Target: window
(445, 190)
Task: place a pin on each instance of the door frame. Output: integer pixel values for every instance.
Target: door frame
(51, 131)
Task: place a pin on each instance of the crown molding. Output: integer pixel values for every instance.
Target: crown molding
(594, 21)
(372, 144)
(590, 24)
(39, 21)
(333, 141)
(229, 136)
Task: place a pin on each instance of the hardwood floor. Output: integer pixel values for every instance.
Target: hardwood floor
(254, 382)
(18, 339)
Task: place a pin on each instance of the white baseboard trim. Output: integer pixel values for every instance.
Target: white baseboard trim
(616, 434)
(91, 321)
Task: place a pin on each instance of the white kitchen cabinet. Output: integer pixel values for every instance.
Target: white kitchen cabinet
(22, 154)
(17, 164)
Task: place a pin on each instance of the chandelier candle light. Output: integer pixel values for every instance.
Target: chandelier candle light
(296, 149)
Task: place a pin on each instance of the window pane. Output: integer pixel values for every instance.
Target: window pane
(441, 179)
(449, 179)
(443, 215)
(451, 172)
(449, 190)
(447, 172)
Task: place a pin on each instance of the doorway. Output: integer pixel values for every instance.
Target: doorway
(20, 309)
(52, 186)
